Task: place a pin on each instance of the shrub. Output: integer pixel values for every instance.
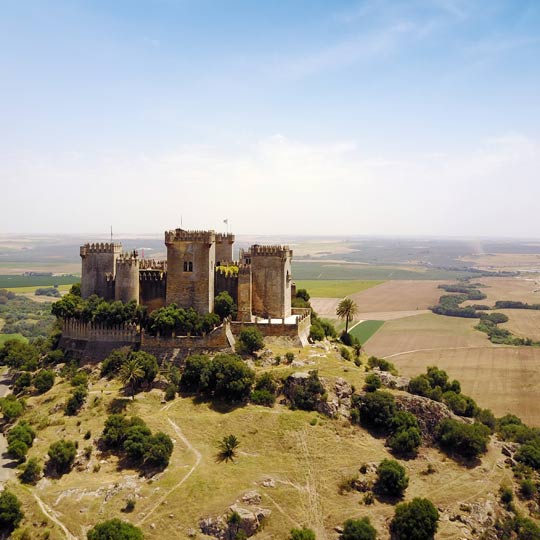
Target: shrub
(148, 363)
(527, 489)
(224, 305)
(507, 495)
(115, 529)
(158, 451)
(233, 378)
(405, 441)
(10, 511)
(486, 417)
(114, 432)
(392, 479)
(358, 529)
(382, 364)
(302, 534)
(263, 397)
(170, 392)
(112, 364)
(80, 379)
(43, 380)
(289, 356)
(31, 472)
(11, 407)
(372, 382)
(136, 441)
(197, 374)
(17, 450)
(529, 454)
(467, 440)
(250, 340)
(420, 386)
(20, 438)
(377, 410)
(23, 381)
(76, 401)
(61, 455)
(345, 353)
(417, 520)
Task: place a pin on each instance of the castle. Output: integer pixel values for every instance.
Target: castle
(199, 266)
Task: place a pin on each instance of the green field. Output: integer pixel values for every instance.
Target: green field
(5, 337)
(335, 288)
(303, 271)
(16, 281)
(33, 288)
(365, 330)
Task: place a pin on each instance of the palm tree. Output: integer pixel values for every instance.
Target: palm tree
(347, 309)
(131, 373)
(227, 448)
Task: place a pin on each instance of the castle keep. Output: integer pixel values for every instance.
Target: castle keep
(199, 266)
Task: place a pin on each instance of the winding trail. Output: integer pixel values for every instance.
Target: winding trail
(448, 349)
(198, 460)
(50, 513)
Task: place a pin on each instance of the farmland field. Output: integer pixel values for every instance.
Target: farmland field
(365, 330)
(523, 322)
(518, 288)
(505, 379)
(335, 288)
(14, 281)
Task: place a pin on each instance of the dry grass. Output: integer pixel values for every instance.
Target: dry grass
(506, 261)
(523, 322)
(518, 288)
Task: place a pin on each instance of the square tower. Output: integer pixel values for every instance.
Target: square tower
(191, 261)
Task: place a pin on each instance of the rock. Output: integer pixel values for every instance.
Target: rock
(216, 527)
(251, 497)
(192, 533)
(338, 529)
(269, 483)
(392, 381)
(251, 521)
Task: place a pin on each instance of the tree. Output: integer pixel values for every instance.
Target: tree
(250, 340)
(227, 448)
(358, 529)
(131, 374)
(377, 409)
(232, 378)
(61, 455)
(112, 364)
(148, 363)
(467, 440)
(197, 374)
(158, 450)
(11, 407)
(302, 534)
(347, 309)
(10, 511)
(417, 520)
(43, 380)
(114, 529)
(392, 479)
(372, 382)
(31, 472)
(224, 305)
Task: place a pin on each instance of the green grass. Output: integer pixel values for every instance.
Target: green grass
(16, 281)
(33, 288)
(365, 330)
(335, 288)
(5, 337)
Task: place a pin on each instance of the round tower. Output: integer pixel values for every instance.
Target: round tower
(126, 288)
(98, 262)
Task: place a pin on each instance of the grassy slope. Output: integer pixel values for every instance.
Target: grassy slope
(335, 288)
(307, 462)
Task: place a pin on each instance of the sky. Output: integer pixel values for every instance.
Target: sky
(312, 117)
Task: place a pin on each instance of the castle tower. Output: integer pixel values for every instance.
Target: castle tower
(126, 286)
(224, 248)
(271, 278)
(98, 261)
(191, 261)
(244, 293)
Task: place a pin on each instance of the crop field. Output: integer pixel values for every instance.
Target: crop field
(505, 379)
(335, 288)
(517, 288)
(523, 322)
(505, 261)
(425, 332)
(13, 281)
(365, 330)
(295, 449)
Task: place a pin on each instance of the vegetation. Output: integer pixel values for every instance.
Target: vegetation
(382, 364)
(363, 331)
(227, 448)
(62, 455)
(347, 309)
(265, 390)
(250, 340)
(372, 382)
(302, 534)
(43, 380)
(417, 520)
(115, 529)
(48, 291)
(466, 440)
(358, 529)
(224, 305)
(11, 407)
(11, 513)
(20, 438)
(306, 396)
(392, 479)
(31, 471)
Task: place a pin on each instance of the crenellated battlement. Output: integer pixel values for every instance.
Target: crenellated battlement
(258, 250)
(152, 264)
(181, 235)
(228, 238)
(131, 258)
(244, 269)
(152, 274)
(107, 247)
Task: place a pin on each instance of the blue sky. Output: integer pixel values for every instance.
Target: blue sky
(340, 117)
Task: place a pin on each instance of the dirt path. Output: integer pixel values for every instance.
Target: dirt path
(445, 349)
(198, 459)
(50, 513)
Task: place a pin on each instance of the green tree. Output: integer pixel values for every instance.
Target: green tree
(302, 534)
(31, 472)
(131, 374)
(372, 382)
(148, 363)
(158, 450)
(358, 529)
(250, 340)
(232, 378)
(377, 410)
(112, 364)
(11, 407)
(417, 520)
(227, 448)
(114, 529)
(392, 479)
(43, 380)
(347, 309)
(11, 513)
(467, 440)
(224, 305)
(61, 455)
(197, 375)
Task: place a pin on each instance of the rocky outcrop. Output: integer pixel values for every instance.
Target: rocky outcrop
(392, 381)
(338, 400)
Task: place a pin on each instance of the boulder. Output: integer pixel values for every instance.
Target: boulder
(251, 520)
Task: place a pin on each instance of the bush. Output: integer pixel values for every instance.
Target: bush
(20, 438)
(112, 364)
(527, 489)
(31, 472)
(348, 339)
(250, 340)
(307, 394)
(197, 374)
(17, 450)
(486, 417)
(76, 401)
(232, 378)
(11, 407)
(405, 441)
(10, 511)
(467, 440)
(80, 379)
(22, 382)
(377, 410)
(115, 529)
(345, 353)
(61, 455)
(158, 450)
(170, 392)
(43, 381)
(263, 397)
(358, 529)
(392, 479)
(507, 495)
(417, 520)
(372, 382)
(224, 305)
(302, 534)
(529, 454)
(289, 356)
(382, 364)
